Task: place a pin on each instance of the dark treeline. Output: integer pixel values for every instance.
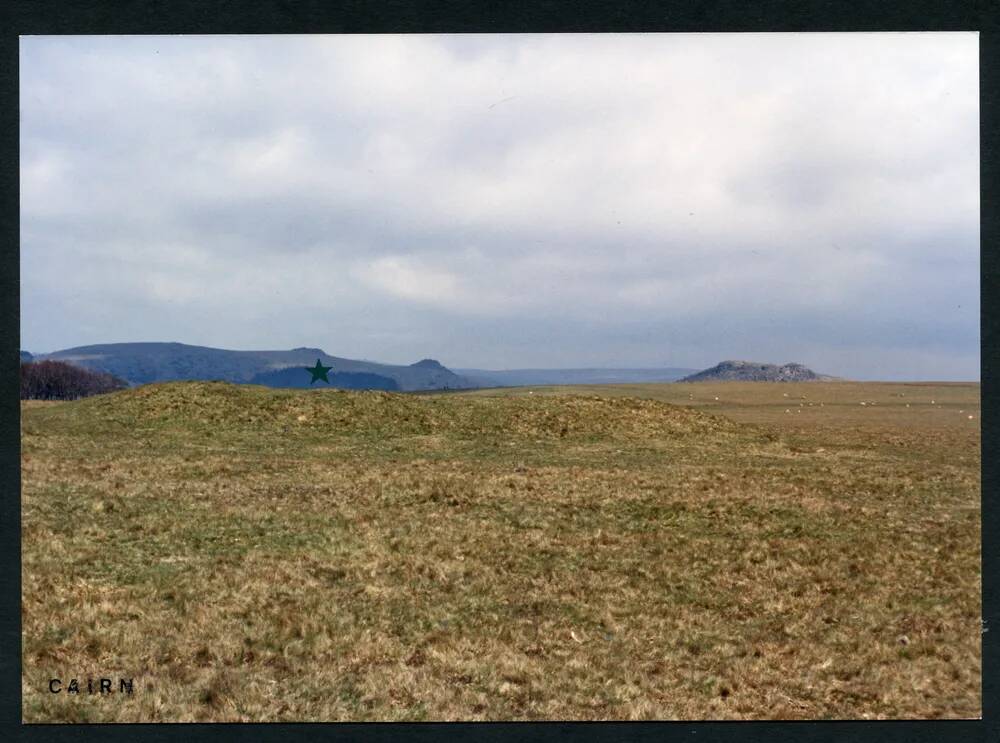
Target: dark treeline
(57, 380)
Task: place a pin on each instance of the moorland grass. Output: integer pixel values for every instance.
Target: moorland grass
(614, 552)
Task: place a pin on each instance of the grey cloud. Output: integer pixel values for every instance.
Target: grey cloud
(509, 201)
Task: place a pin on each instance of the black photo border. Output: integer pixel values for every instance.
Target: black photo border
(33, 17)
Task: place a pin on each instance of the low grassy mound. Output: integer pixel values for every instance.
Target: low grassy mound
(225, 405)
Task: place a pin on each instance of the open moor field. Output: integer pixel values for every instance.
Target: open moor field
(673, 551)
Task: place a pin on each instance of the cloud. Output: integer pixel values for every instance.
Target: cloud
(400, 276)
(518, 200)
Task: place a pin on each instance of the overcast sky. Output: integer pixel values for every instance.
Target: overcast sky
(509, 201)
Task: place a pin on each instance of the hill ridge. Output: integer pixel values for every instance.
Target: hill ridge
(153, 361)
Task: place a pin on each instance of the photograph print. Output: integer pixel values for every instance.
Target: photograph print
(500, 377)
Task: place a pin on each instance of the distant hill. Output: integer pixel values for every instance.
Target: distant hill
(296, 377)
(754, 371)
(140, 363)
(529, 377)
(26, 356)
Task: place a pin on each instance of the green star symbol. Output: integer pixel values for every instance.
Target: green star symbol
(318, 372)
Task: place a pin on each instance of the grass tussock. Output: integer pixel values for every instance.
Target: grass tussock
(254, 554)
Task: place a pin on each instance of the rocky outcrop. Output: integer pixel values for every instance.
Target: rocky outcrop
(754, 371)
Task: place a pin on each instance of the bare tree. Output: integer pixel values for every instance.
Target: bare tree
(57, 380)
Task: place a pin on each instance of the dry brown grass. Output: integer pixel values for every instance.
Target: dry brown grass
(253, 554)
